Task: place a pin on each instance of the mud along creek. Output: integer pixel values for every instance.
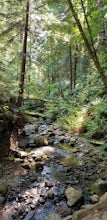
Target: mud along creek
(47, 167)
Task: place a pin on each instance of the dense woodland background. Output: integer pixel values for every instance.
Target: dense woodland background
(55, 53)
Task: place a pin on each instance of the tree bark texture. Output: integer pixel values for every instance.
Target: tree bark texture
(23, 65)
(71, 68)
(75, 68)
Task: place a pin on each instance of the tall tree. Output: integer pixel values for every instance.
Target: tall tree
(91, 49)
(71, 67)
(24, 54)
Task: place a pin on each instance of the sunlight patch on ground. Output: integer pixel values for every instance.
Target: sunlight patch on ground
(43, 150)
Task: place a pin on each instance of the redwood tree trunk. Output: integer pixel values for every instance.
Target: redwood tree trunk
(23, 65)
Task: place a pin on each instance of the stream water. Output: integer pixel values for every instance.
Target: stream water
(39, 176)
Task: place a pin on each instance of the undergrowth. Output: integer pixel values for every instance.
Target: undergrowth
(84, 111)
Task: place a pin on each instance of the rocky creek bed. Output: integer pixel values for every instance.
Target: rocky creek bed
(51, 175)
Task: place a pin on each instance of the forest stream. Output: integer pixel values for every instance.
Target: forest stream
(47, 167)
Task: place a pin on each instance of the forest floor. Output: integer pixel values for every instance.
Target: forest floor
(44, 165)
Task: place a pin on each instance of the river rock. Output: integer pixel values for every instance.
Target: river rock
(94, 198)
(50, 194)
(39, 166)
(73, 196)
(53, 217)
(26, 165)
(94, 212)
(103, 197)
(99, 187)
(48, 183)
(63, 209)
(23, 154)
(3, 189)
(2, 200)
(40, 141)
(72, 141)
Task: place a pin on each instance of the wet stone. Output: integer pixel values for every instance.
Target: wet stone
(2, 200)
(26, 165)
(48, 184)
(50, 194)
(41, 200)
(33, 178)
(39, 166)
(43, 185)
(63, 209)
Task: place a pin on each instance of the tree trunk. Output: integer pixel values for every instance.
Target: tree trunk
(75, 68)
(92, 53)
(71, 68)
(102, 32)
(23, 65)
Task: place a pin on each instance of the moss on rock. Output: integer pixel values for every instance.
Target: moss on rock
(40, 141)
(3, 189)
(99, 187)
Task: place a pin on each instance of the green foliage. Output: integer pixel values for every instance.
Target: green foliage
(96, 122)
(87, 109)
(52, 34)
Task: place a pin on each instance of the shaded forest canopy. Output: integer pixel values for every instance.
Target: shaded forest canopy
(53, 60)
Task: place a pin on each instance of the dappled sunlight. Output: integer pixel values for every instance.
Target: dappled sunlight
(96, 101)
(44, 186)
(43, 150)
(82, 115)
(76, 120)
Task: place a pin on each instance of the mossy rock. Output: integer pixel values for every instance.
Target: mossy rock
(3, 189)
(53, 216)
(73, 196)
(99, 187)
(70, 161)
(36, 129)
(40, 141)
(66, 147)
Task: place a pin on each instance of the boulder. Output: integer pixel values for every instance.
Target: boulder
(40, 141)
(103, 197)
(99, 187)
(97, 211)
(73, 196)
